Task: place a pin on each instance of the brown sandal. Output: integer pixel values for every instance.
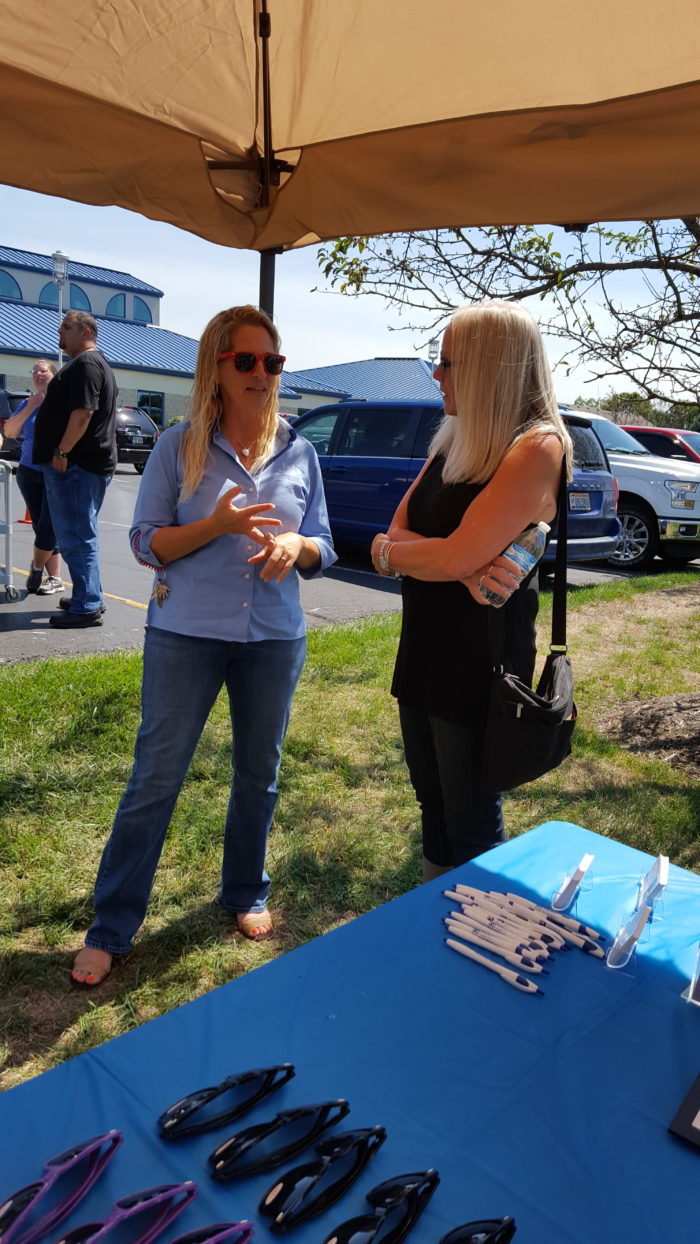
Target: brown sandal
(95, 970)
(255, 925)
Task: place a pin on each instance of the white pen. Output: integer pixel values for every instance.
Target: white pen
(467, 897)
(567, 921)
(550, 934)
(507, 936)
(508, 924)
(506, 974)
(501, 949)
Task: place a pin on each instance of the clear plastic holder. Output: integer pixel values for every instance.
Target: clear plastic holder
(621, 952)
(651, 888)
(692, 993)
(565, 897)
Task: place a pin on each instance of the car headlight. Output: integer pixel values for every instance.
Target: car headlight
(683, 494)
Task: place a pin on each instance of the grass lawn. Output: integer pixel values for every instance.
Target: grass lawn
(346, 834)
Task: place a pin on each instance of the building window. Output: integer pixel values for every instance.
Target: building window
(49, 295)
(117, 307)
(152, 403)
(9, 287)
(142, 311)
(79, 300)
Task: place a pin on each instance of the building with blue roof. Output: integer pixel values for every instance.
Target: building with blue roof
(371, 380)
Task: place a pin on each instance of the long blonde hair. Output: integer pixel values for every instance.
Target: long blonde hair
(205, 407)
(502, 388)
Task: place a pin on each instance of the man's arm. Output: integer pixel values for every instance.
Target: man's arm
(76, 428)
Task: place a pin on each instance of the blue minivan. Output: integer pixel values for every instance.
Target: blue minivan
(370, 452)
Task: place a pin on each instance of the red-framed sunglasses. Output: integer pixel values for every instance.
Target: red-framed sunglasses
(244, 360)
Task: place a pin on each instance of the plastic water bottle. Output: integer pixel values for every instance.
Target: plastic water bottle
(525, 551)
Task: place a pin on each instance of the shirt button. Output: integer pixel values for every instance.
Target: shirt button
(251, 490)
(244, 604)
(246, 576)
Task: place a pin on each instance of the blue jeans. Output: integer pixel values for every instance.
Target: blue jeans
(182, 676)
(33, 490)
(75, 498)
(460, 819)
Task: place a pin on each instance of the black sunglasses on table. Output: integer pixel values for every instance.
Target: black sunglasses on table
(400, 1200)
(190, 1117)
(482, 1231)
(300, 1126)
(303, 1193)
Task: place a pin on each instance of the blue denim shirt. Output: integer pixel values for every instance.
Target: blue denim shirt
(214, 592)
(27, 439)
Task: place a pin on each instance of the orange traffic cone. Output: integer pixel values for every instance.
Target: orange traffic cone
(26, 518)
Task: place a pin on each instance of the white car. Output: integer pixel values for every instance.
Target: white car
(659, 501)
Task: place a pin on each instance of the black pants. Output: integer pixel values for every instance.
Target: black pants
(460, 819)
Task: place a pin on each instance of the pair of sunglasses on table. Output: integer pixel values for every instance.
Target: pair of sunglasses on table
(310, 1189)
(29, 1214)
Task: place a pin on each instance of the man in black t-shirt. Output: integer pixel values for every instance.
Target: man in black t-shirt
(74, 440)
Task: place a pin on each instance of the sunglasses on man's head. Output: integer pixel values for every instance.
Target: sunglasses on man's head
(397, 1202)
(304, 1192)
(244, 360)
(139, 1217)
(66, 1180)
(190, 1116)
(482, 1231)
(299, 1128)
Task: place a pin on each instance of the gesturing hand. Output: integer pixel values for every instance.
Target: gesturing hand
(279, 553)
(231, 519)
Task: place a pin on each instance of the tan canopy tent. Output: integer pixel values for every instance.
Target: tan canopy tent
(354, 116)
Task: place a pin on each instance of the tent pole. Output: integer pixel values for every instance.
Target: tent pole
(267, 281)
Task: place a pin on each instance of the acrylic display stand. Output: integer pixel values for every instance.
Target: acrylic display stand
(566, 895)
(692, 993)
(620, 953)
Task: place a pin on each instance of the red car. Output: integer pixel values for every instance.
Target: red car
(668, 442)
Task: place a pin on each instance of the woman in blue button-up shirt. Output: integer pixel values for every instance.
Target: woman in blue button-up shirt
(230, 512)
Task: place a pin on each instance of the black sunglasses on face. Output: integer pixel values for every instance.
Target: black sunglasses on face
(68, 1177)
(290, 1201)
(245, 360)
(245, 1091)
(407, 1194)
(302, 1126)
(482, 1231)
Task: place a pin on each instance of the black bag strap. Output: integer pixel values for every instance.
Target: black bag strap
(496, 619)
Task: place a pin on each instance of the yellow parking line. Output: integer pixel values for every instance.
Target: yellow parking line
(123, 600)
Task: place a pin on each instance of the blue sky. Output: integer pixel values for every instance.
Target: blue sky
(199, 278)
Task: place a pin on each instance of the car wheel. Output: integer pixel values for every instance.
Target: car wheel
(139, 467)
(677, 559)
(639, 538)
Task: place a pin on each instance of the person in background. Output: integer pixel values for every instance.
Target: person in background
(493, 469)
(230, 512)
(75, 439)
(30, 481)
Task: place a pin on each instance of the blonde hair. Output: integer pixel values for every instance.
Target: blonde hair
(502, 389)
(46, 363)
(205, 407)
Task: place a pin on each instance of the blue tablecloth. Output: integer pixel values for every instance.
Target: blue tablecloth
(553, 1109)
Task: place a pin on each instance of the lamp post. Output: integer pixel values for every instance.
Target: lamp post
(60, 275)
(433, 351)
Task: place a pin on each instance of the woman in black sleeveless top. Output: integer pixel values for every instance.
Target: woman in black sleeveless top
(493, 470)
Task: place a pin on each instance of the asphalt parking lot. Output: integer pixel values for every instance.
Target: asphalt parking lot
(350, 590)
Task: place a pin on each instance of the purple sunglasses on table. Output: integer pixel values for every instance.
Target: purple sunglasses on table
(148, 1213)
(71, 1175)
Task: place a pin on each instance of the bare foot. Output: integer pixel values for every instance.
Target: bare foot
(91, 968)
(255, 925)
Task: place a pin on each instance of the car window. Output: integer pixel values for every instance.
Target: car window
(375, 432)
(319, 429)
(135, 419)
(588, 451)
(692, 439)
(429, 423)
(616, 440)
(663, 446)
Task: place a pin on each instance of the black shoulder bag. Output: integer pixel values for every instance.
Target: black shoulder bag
(529, 732)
